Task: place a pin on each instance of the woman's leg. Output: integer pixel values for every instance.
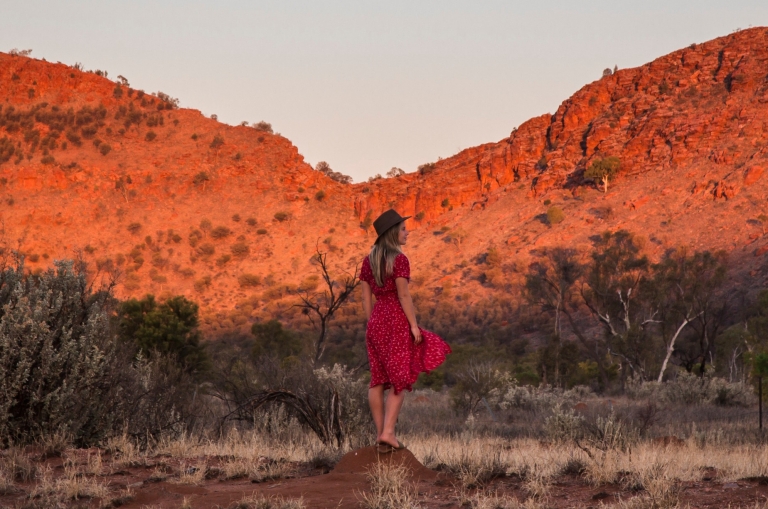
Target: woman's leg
(376, 402)
(391, 412)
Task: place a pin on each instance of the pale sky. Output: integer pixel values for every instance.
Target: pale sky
(368, 85)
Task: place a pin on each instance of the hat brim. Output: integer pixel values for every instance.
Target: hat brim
(397, 223)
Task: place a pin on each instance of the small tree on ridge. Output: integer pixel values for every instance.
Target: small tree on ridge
(603, 169)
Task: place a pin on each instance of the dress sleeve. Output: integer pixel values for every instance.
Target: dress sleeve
(365, 271)
(402, 267)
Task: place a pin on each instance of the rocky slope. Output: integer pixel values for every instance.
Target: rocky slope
(177, 203)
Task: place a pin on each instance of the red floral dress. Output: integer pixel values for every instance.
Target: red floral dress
(394, 358)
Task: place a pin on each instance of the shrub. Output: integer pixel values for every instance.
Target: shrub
(426, 169)
(151, 135)
(74, 138)
(48, 160)
(320, 195)
(249, 280)
(251, 221)
(217, 142)
(55, 354)
(555, 215)
(272, 339)
(220, 232)
(206, 249)
(202, 284)
(206, 224)
(240, 250)
(263, 126)
(168, 328)
(201, 178)
(261, 231)
(236, 218)
(223, 260)
(420, 216)
(282, 216)
(195, 236)
(445, 203)
(194, 136)
(105, 149)
(134, 227)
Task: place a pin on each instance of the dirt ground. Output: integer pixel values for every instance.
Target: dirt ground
(343, 486)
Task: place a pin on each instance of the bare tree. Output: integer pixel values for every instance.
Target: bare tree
(321, 306)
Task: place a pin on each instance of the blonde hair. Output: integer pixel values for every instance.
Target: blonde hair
(383, 254)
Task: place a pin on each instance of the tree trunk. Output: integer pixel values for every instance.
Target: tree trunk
(671, 348)
(605, 184)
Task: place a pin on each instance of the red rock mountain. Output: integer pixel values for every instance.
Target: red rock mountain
(229, 216)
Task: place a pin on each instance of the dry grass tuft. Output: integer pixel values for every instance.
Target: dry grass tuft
(16, 465)
(496, 501)
(190, 474)
(6, 484)
(390, 488)
(262, 502)
(71, 486)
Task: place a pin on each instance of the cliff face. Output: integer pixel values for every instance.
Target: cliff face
(704, 104)
(176, 203)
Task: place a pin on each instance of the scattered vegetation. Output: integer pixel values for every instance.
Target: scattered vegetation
(263, 126)
(603, 170)
(282, 216)
(555, 215)
(217, 142)
(326, 170)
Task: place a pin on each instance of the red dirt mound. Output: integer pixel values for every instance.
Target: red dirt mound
(361, 460)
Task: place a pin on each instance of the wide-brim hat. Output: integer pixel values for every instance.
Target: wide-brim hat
(386, 221)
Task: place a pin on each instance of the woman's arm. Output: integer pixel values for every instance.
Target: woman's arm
(407, 303)
(367, 300)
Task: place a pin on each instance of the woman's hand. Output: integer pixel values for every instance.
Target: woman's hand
(416, 334)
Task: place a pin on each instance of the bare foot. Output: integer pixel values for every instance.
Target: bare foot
(389, 439)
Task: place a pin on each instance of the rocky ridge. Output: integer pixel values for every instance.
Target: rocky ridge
(230, 215)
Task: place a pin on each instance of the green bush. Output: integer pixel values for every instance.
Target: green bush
(320, 195)
(168, 328)
(555, 215)
(272, 339)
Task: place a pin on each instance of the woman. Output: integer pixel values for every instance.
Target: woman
(398, 349)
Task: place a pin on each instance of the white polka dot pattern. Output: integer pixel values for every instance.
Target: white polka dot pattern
(395, 360)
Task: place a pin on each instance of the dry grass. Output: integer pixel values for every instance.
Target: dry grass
(479, 459)
(193, 474)
(496, 501)
(70, 486)
(263, 502)
(390, 488)
(6, 484)
(16, 465)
